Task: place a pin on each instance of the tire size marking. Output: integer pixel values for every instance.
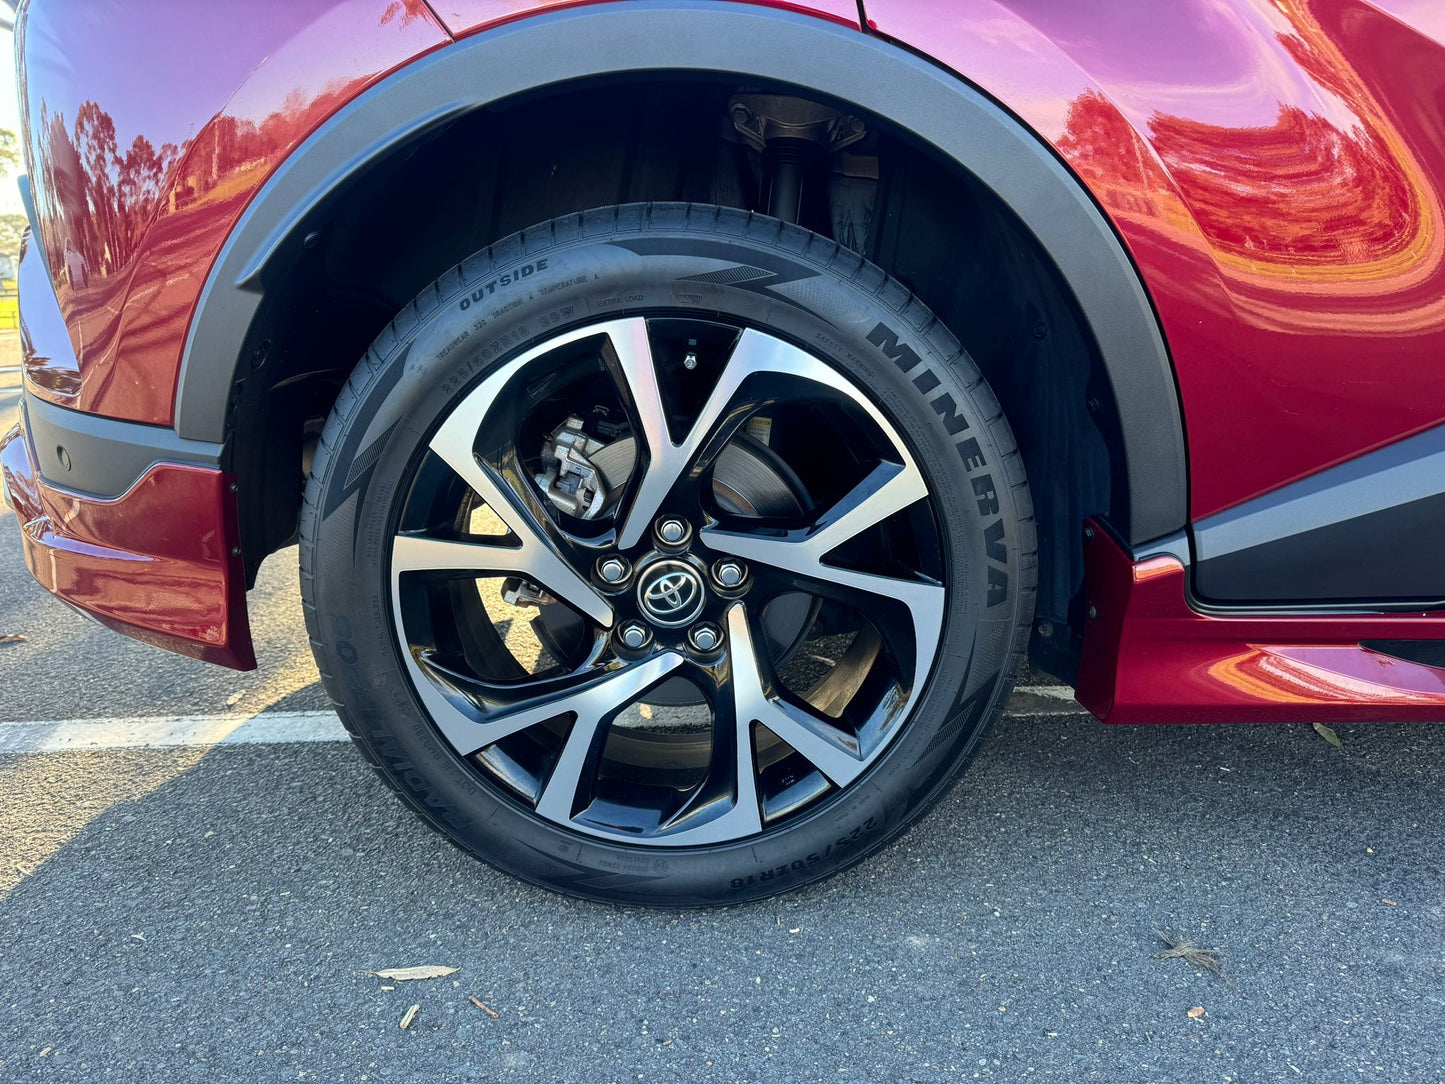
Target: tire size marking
(797, 865)
(967, 447)
(507, 278)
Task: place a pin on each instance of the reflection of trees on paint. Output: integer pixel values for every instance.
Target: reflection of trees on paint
(100, 198)
(103, 200)
(1110, 157)
(406, 12)
(1301, 189)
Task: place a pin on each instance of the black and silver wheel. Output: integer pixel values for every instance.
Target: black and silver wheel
(667, 554)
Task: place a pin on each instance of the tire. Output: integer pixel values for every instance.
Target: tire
(848, 398)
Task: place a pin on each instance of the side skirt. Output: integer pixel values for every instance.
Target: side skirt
(1149, 657)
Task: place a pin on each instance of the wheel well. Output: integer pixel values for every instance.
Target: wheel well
(407, 216)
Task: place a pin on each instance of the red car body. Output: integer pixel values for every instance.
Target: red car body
(1274, 171)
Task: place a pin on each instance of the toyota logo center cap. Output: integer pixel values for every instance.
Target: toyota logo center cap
(670, 593)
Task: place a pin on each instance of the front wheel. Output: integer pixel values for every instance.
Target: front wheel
(667, 554)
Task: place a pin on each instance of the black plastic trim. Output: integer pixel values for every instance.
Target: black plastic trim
(1366, 531)
(749, 43)
(1424, 652)
(102, 457)
(1178, 547)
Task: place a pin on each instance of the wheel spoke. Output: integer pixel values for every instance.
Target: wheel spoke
(421, 553)
(746, 815)
(594, 706)
(725, 806)
(638, 372)
(536, 555)
(831, 751)
(889, 488)
(594, 695)
(715, 424)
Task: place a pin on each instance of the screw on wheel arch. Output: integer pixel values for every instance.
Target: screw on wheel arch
(687, 600)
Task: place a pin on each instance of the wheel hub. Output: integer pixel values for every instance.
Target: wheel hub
(671, 593)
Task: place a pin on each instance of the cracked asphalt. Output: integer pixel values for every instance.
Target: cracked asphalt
(215, 912)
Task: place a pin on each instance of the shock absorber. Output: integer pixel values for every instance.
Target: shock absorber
(789, 165)
(795, 137)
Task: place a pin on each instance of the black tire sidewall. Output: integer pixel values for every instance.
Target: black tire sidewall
(646, 260)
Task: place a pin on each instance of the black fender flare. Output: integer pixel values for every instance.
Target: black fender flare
(750, 42)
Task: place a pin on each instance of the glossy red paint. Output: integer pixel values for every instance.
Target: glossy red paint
(1275, 167)
(1148, 657)
(1277, 170)
(155, 563)
(136, 190)
(470, 16)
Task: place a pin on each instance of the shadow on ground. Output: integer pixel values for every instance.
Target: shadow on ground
(220, 924)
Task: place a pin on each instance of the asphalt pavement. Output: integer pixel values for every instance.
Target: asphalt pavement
(219, 912)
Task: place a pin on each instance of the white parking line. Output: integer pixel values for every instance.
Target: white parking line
(147, 732)
(269, 728)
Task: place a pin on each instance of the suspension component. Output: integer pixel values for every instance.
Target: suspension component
(795, 138)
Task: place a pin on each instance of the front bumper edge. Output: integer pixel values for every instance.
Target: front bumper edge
(160, 562)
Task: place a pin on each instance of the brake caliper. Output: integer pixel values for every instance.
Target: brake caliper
(583, 475)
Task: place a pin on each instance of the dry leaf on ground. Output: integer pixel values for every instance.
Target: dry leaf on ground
(1194, 1013)
(408, 974)
(13, 638)
(1329, 735)
(1178, 948)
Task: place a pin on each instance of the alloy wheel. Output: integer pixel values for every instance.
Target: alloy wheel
(667, 581)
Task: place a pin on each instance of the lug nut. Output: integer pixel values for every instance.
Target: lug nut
(633, 635)
(705, 636)
(729, 574)
(672, 531)
(613, 570)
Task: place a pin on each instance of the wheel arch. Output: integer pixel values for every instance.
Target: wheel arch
(932, 105)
